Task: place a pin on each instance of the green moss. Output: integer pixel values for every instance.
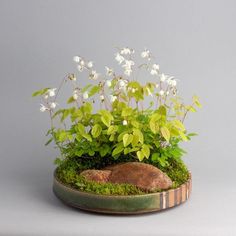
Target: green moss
(68, 173)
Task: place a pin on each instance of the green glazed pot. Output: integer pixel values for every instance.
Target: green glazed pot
(116, 204)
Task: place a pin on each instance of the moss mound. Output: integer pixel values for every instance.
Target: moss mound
(68, 173)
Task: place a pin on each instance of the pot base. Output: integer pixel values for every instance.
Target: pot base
(115, 204)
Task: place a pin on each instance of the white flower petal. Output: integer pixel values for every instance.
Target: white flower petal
(43, 108)
(109, 71)
(76, 59)
(90, 64)
(75, 96)
(124, 122)
(51, 92)
(53, 105)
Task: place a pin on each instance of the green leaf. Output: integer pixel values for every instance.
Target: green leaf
(162, 110)
(81, 129)
(179, 125)
(112, 129)
(106, 117)
(96, 130)
(95, 89)
(145, 150)
(65, 114)
(154, 126)
(104, 150)
(87, 136)
(127, 111)
(112, 138)
(117, 150)
(135, 140)
(140, 155)
(183, 136)
(139, 134)
(196, 101)
(40, 92)
(49, 141)
(86, 88)
(165, 133)
(155, 157)
(135, 123)
(70, 100)
(127, 139)
(190, 108)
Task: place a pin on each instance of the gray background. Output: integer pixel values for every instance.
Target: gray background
(193, 40)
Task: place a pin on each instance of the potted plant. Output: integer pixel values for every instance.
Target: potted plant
(119, 138)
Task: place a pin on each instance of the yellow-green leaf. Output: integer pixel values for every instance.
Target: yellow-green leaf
(127, 111)
(112, 129)
(87, 136)
(140, 155)
(154, 126)
(179, 125)
(183, 136)
(145, 150)
(139, 134)
(127, 139)
(117, 150)
(165, 133)
(196, 101)
(96, 130)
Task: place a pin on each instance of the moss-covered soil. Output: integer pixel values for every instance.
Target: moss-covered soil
(68, 173)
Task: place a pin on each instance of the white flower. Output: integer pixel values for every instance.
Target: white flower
(162, 92)
(172, 82)
(119, 58)
(122, 83)
(133, 90)
(85, 95)
(109, 71)
(80, 68)
(90, 64)
(113, 98)
(163, 78)
(53, 105)
(51, 92)
(75, 96)
(126, 51)
(46, 96)
(93, 75)
(108, 83)
(168, 92)
(128, 64)
(128, 72)
(76, 59)
(81, 65)
(153, 72)
(125, 122)
(102, 97)
(145, 54)
(155, 67)
(157, 85)
(43, 108)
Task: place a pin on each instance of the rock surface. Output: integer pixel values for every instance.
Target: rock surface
(144, 176)
(100, 176)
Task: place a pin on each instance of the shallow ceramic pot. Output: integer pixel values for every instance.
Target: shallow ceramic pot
(116, 204)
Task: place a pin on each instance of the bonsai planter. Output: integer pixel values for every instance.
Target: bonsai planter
(116, 204)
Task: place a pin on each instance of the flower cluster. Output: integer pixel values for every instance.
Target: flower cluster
(123, 123)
